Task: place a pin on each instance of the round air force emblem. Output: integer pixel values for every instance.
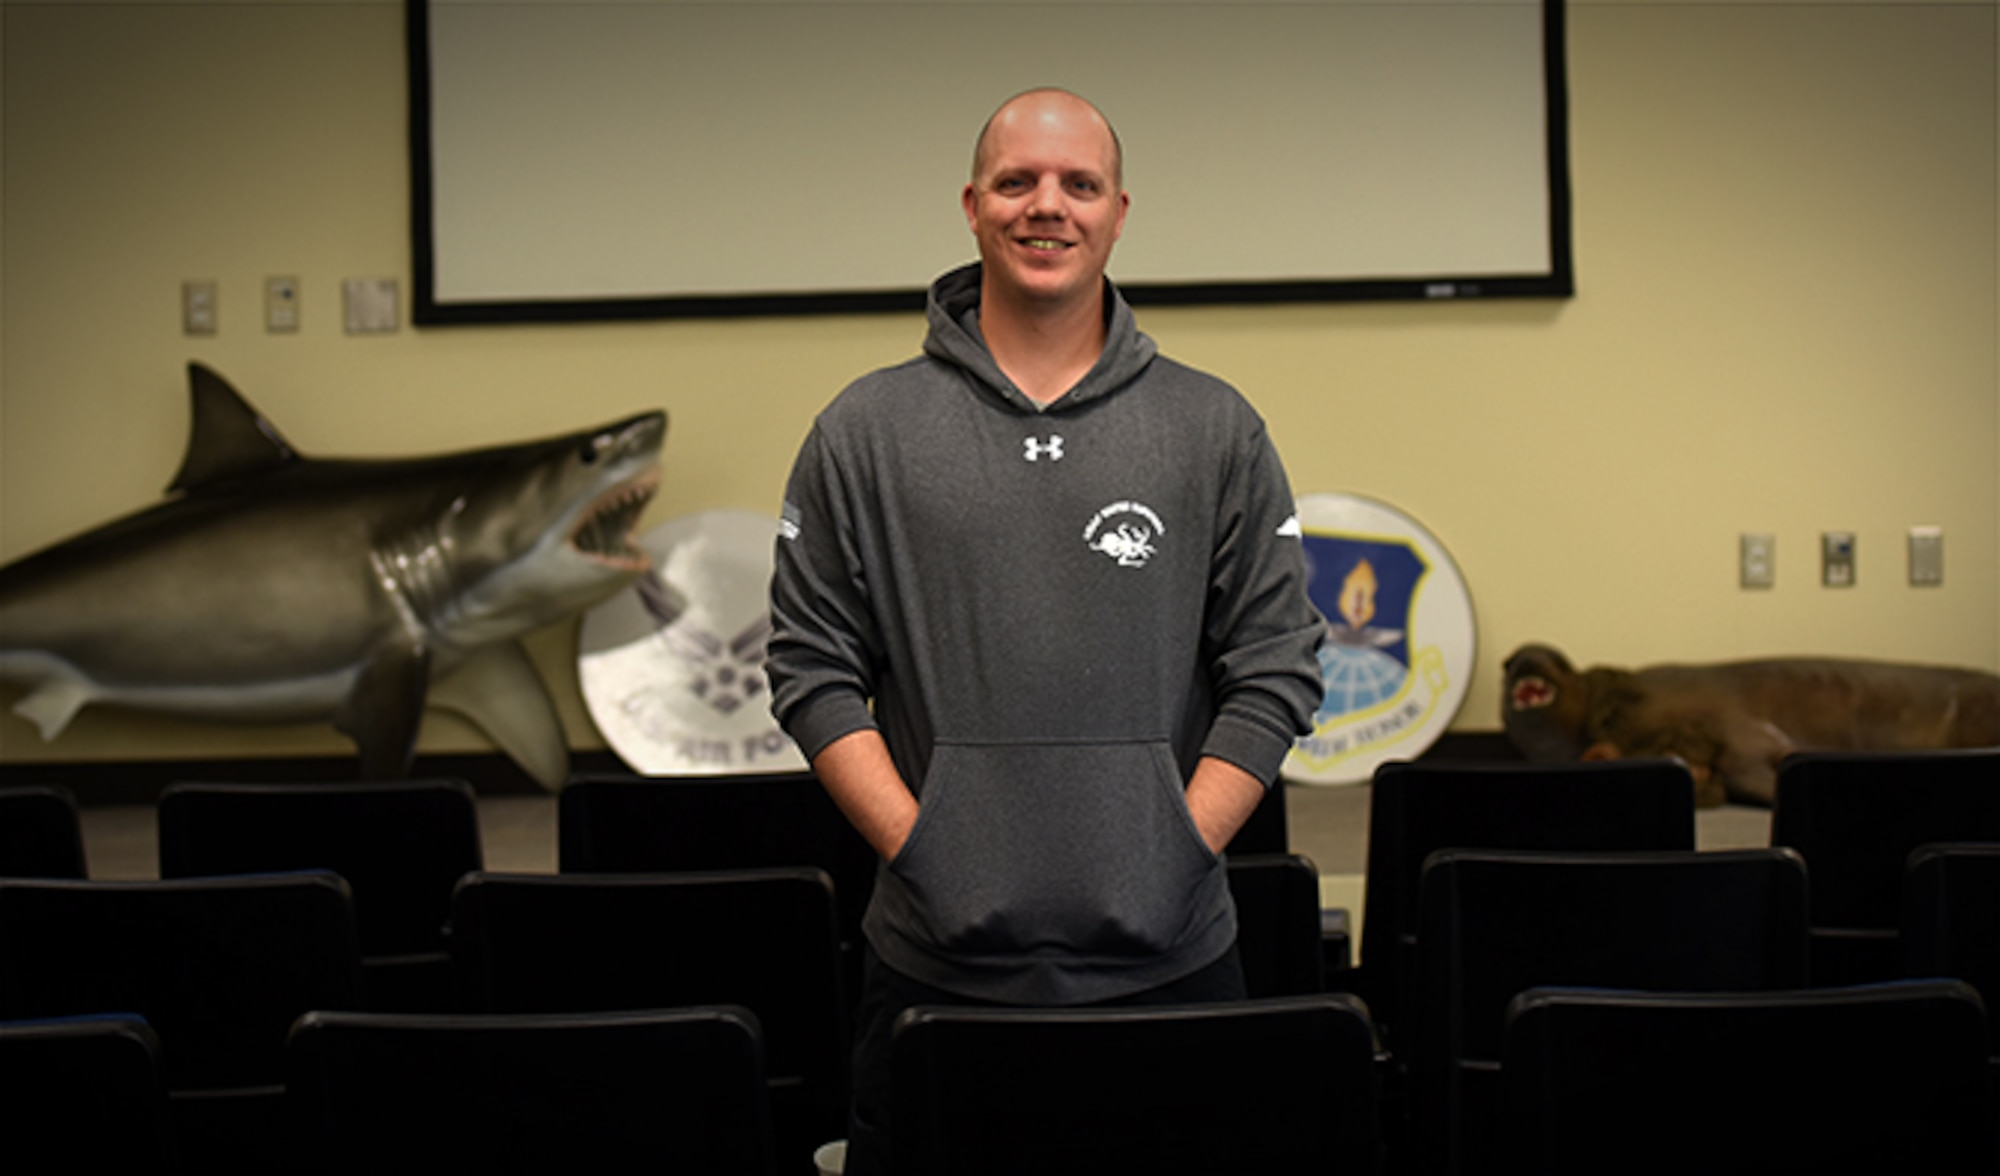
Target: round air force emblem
(1125, 531)
(672, 668)
(1400, 641)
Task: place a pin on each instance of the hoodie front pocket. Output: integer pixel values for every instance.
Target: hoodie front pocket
(1082, 848)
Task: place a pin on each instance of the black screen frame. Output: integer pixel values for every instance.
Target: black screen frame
(427, 310)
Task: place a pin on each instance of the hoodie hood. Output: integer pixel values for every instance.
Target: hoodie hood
(955, 339)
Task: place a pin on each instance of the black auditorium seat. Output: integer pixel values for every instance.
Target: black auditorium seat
(1856, 817)
(763, 939)
(41, 833)
(1416, 809)
(83, 1094)
(1246, 1088)
(1872, 1078)
(677, 1090)
(1494, 924)
(401, 844)
(219, 967)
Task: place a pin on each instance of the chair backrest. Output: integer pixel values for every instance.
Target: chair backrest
(1268, 828)
(623, 824)
(83, 1094)
(219, 967)
(1856, 817)
(652, 1091)
(401, 844)
(1876, 1078)
(762, 939)
(1494, 924)
(41, 834)
(1951, 918)
(1278, 923)
(611, 824)
(1416, 809)
(1251, 1087)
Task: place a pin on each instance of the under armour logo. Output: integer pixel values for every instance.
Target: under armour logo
(1036, 450)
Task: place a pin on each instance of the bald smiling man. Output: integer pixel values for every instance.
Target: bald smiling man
(1041, 623)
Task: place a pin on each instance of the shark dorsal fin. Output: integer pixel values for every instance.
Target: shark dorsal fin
(228, 438)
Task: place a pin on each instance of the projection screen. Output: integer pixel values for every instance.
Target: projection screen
(601, 159)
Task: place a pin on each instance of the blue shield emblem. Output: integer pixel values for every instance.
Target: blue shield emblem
(1364, 589)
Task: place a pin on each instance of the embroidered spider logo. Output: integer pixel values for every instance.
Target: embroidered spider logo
(1131, 546)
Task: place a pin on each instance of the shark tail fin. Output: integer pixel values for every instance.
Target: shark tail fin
(228, 438)
(52, 705)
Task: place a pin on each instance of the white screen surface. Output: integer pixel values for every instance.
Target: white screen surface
(654, 153)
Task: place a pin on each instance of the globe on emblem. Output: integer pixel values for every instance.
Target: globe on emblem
(1356, 679)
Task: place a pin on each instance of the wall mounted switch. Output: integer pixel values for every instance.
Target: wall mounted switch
(1926, 556)
(198, 307)
(1759, 554)
(1836, 559)
(281, 305)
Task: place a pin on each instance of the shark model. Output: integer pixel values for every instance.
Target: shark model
(274, 587)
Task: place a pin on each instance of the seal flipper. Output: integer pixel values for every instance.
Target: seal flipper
(386, 707)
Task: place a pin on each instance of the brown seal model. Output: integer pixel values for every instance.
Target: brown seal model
(1733, 721)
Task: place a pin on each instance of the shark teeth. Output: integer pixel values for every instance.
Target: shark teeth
(605, 532)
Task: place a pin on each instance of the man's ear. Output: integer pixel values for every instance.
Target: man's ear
(1124, 206)
(969, 199)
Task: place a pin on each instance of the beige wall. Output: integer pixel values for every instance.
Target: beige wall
(1786, 226)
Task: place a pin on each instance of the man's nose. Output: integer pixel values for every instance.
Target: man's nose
(1047, 199)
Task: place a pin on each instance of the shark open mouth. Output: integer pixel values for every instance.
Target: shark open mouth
(605, 532)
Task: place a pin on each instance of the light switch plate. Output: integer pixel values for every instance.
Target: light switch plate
(1759, 555)
(370, 305)
(1926, 556)
(198, 300)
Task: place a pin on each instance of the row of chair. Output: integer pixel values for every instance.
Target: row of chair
(1586, 875)
(670, 1090)
(1274, 1086)
(222, 968)
(1680, 928)
(222, 964)
(1411, 817)
(1854, 817)
(1865, 1079)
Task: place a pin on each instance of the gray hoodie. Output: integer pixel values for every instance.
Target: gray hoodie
(1055, 613)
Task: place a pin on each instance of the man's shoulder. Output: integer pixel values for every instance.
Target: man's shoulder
(1167, 369)
(898, 401)
(1198, 395)
(885, 386)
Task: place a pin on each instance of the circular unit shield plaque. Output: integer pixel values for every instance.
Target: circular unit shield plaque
(1400, 643)
(672, 667)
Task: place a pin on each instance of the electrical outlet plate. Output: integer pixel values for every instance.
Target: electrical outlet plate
(281, 305)
(1759, 554)
(1836, 559)
(1926, 556)
(198, 300)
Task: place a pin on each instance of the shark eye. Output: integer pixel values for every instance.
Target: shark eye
(593, 447)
